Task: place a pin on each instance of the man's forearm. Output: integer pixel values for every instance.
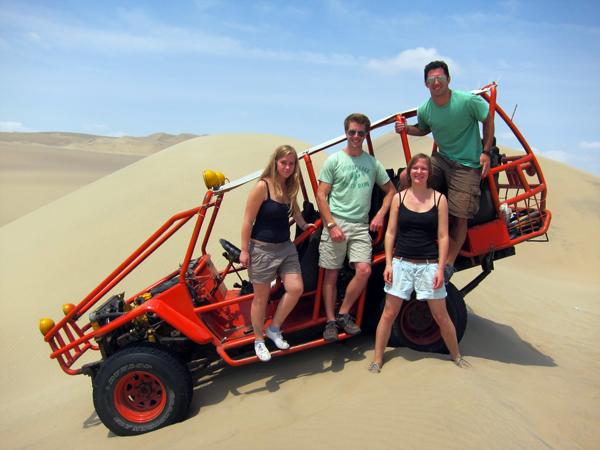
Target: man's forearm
(324, 210)
(387, 201)
(488, 135)
(414, 130)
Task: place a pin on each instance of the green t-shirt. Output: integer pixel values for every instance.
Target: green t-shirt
(455, 126)
(352, 179)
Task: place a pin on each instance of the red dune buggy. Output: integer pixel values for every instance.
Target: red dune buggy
(145, 342)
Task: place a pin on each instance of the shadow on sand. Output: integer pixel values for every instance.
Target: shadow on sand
(483, 339)
(213, 384)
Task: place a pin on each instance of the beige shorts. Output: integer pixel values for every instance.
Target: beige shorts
(463, 185)
(268, 261)
(357, 245)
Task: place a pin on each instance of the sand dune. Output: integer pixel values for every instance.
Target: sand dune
(38, 168)
(536, 377)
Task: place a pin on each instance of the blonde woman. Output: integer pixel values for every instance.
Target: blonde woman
(267, 250)
(416, 250)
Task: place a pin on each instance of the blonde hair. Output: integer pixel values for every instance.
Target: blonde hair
(292, 182)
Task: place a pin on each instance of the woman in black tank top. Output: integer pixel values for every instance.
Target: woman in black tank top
(416, 249)
(267, 251)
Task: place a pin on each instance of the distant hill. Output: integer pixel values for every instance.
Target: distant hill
(38, 168)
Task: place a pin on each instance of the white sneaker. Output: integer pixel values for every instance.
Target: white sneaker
(278, 339)
(261, 351)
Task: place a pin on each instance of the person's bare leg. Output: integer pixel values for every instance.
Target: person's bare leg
(457, 234)
(330, 292)
(257, 311)
(293, 290)
(441, 317)
(384, 328)
(356, 286)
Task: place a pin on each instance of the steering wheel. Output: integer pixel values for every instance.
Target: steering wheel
(233, 253)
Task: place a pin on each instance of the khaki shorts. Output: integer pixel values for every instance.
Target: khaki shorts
(357, 245)
(268, 261)
(463, 185)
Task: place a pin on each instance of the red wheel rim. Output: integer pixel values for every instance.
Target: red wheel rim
(418, 325)
(139, 397)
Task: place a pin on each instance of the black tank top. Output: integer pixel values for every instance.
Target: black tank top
(417, 232)
(272, 221)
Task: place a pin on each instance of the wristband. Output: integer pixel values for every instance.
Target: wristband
(486, 152)
(331, 225)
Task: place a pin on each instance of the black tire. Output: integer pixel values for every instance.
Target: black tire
(416, 329)
(142, 388)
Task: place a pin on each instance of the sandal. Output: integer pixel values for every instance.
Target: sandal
(462, 363)
(374, 367)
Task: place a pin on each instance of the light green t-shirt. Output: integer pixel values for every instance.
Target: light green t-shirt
(455, 126)
(352, 179)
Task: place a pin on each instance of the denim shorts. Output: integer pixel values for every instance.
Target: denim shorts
(408, 276)
(357, 245)
(268, 261)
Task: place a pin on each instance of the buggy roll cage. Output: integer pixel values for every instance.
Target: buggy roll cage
(518, 182)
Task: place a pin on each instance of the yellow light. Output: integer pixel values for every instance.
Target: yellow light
(46, 325)
(68, 307)
(213, 180)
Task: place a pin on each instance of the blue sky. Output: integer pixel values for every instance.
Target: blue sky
(296, 68)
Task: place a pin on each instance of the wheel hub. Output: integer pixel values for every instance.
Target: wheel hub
(139, 396)
(418, 325)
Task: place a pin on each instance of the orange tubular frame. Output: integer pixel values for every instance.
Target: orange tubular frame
(68, 341)
(68, 350)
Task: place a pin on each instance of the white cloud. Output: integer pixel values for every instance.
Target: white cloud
(34, 36)
(14, 126)
(102, 130)
(410, 60)
(146, 36)
(506, 135)
(95, 127)
(556, 155)
(590, 145)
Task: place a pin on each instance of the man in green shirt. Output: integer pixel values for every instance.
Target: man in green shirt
(462, 160)
(344, 199)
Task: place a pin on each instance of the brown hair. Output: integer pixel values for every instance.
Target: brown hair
(360, 119)
(292, 182)
(412, 162)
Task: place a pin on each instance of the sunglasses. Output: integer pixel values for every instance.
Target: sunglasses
(440, 78)
(351, 133)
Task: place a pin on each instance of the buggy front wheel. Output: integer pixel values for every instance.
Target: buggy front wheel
(142, 388)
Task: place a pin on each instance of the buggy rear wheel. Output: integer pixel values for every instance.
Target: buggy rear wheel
(416, 328)
(142, 388)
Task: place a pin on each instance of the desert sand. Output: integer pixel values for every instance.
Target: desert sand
(38, 168)
(532, 337)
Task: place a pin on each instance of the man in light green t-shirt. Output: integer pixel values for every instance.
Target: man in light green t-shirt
(462, 161)
(344, 199)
